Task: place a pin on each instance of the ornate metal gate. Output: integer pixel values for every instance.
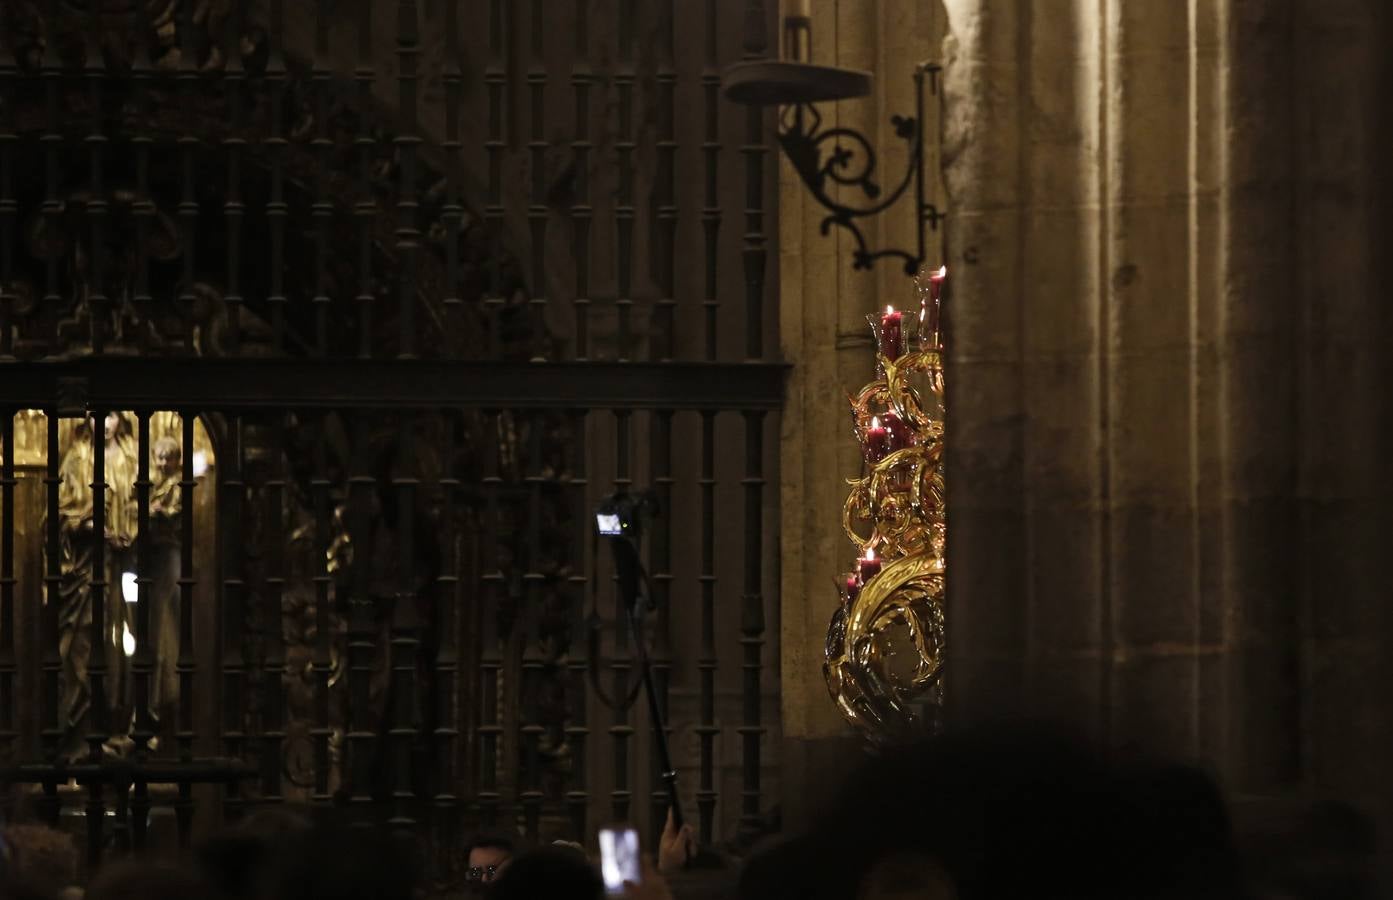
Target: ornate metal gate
(352, 429)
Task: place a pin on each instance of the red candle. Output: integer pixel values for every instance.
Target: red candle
(868, 566)
(877, 442)
(935, 291)
(853, 587)
(936, 282)
(891, 334)
(897, 436)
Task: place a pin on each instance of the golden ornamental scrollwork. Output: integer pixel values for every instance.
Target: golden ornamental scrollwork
(885, 647)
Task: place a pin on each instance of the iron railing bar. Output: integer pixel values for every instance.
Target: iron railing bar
(578, 728)
(143, 665)
(406, 143)
(232, 498)
(321, 666)
(622, 663)
(706, 730)
(711, 208)
(273, 731)
(625, 78)
(97, 669)
(186, 667)
(660, 564)
(362, 728)
(490, 724)
(8, 662)
(223, 384)
(581, 211)
(530, 672)
(365, 204)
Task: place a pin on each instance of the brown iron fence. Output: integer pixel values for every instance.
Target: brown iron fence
(348, 432)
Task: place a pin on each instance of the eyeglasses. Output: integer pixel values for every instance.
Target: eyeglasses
(480, 874)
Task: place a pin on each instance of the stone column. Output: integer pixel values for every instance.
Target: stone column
(1167, 391)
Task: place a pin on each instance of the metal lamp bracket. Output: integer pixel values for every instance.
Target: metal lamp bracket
(831, 159)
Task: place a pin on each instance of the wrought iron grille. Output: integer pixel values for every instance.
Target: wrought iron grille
(355, 309)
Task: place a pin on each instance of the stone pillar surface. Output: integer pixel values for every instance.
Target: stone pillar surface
(1169, 413)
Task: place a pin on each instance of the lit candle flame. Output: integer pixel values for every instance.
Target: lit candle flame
(889, 309)
(875, 421)
(943, 271)
(870, 554)
(127, 640)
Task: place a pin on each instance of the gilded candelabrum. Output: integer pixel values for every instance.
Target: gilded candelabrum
(885, 644)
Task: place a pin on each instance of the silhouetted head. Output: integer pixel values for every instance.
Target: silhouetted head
(347, 863)
(131, 880)
(1008, 812)
(42, 858)
(551, 873)
(242, 862)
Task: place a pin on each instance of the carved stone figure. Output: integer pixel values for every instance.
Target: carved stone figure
(78, 542)
(166, 519)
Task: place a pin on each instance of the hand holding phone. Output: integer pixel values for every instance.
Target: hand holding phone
(619, 858)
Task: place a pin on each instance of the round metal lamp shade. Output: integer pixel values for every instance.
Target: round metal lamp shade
(773, 83)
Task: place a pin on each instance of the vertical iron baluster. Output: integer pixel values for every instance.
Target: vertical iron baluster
(52, 715)
(578, 727)
(321, 665)
(273, 670)
(234, 82)
(752, 601)
(51, 72)
(143, 665)
(706, 662)
(405, 632)
(234, 594)
(143, 207)
(95, 207)
(446, 625)
(408, 234)
(711, 150)
(365, 208)
(664, 312)
(537, 207)
(581, 210)
(9, 206)
(531, 673)
(755, 249)
(495, 79)
(622, 663)
(8, 662)
(188, 197)
(452, 213)
(752, 618)
(624, 79)
(275, 142)
(322, 209)
(96, 661)
(185, 667)
(490, 728)
(660, 556)
(361, 646)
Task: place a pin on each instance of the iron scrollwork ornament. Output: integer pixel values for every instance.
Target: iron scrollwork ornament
(827, 159)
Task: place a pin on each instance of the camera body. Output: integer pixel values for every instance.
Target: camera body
(622, 514)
